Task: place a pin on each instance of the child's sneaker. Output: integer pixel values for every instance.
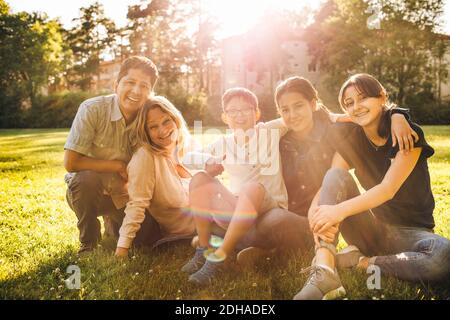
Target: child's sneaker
(348, 257)
(322, 284)
(197, 261)
(208, 271)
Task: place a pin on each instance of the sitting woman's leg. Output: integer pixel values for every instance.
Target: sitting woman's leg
(324, 282)
(418, 256)
(406, 253)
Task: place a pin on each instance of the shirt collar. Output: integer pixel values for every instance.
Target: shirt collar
(116, 114)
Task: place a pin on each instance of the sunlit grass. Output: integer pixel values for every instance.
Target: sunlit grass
(39, 239)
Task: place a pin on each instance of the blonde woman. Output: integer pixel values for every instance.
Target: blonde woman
(157, 183)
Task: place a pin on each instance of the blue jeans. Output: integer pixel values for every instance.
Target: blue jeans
(412, 254)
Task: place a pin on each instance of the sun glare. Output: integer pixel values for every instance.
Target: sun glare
(238, 16)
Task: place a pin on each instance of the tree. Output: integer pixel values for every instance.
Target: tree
(89, 40)
(158, 30)
(4, 7)
(343, 42)
(31, 56)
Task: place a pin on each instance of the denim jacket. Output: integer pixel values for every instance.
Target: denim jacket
(305, 163)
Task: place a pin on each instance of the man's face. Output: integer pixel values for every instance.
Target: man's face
(133, 90)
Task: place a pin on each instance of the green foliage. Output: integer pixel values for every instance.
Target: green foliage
(4, 7)
(54, 111)
(40, 239)
(163, 31)
(88, 40)
(192, 107)
(31, 56)
(404, 54)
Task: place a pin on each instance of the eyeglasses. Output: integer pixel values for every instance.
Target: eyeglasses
(234, 113)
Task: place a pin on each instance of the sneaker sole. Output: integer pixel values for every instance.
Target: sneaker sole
(335, 294)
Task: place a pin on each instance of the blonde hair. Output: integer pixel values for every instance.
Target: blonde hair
(140, 138)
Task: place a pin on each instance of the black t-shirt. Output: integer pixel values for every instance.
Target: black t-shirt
(413, 204)
(305, 163)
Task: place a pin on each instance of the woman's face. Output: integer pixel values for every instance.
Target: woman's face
(363, 110)
(296, 111)
(161, 128)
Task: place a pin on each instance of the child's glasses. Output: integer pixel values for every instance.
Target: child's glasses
(233, 113)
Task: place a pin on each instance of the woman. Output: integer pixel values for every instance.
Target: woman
(157, 183)
(391, 224)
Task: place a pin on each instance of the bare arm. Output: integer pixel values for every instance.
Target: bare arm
(401, 131)
(74, 162)
(400, 169)
(141, 186)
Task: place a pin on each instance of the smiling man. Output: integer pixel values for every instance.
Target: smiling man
(98, 149)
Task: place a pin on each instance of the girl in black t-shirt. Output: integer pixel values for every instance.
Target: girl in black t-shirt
(390, 226)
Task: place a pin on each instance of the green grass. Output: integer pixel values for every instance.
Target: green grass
(39, 240)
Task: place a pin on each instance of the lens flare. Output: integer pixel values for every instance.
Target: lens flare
(211, 256)
(215, 241)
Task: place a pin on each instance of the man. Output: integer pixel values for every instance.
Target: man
(98, 149)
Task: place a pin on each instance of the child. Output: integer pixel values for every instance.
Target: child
(251, 157)
(392, 222)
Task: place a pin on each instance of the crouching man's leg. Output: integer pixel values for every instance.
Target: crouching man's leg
(86, 198)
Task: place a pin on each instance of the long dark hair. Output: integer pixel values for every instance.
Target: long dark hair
(369, 86)
(302, 86)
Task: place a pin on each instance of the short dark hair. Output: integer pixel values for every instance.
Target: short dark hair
(239, 92)
(141, 63)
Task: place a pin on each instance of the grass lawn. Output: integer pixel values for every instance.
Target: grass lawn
(39, 240)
